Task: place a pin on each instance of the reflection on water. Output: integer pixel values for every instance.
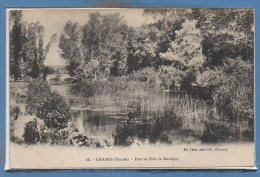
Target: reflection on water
(121, 129)
(96, 124)
(173, 130)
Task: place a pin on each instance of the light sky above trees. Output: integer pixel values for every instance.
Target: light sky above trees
(54, 21)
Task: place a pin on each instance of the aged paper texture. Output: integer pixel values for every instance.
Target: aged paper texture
(130, 89)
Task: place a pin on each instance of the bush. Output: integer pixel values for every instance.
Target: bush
(123, 135)
(55, 112)
(31, 134)
(14, 109)
(231, 87)
(47, 105)
(171, 78)
(38, 93)
(148, 76)
(83, 88)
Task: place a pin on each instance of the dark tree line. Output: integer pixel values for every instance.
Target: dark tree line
(207, 52)
(96, 49)
(105, 45)
(26, 47)
(202, 51)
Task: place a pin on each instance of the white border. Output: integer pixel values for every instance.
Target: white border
(255, 132)
(7, 119)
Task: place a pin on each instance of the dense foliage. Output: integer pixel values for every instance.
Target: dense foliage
(206, 56)
(31, 134)
(47, 105)
(97, 49)
(204, 52)
(231, 87)
(27, 51)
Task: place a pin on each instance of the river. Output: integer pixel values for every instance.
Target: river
(117, 127)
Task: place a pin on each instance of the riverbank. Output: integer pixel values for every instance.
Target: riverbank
(121, 112)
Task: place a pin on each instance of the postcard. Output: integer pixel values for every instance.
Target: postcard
(126, 88)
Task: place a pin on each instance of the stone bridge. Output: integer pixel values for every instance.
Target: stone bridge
(59, 79)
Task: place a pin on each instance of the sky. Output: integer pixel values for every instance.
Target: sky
(54, 20)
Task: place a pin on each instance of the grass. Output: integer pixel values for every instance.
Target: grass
(147, 101)
(143, 100)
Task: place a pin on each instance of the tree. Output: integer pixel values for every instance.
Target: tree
(186, 49)
(167, 21)
(91, 68)
(231, 87)
(27, 51)
(69, 44)
(142, 48)
(104, 38)
(185, 53)
(44, 70)
(15, 46)
(227, 33)
(33, 51)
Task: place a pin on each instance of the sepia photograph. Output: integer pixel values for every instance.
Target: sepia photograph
(130, 88)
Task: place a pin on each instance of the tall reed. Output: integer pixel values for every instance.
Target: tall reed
(146, 102)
